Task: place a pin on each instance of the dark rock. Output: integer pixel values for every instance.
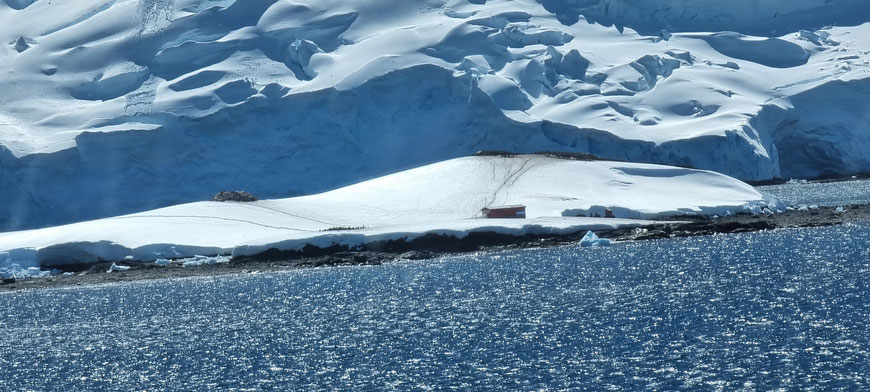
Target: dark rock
(572, 156)
(343, 228)
(21, 45)
(652, 235)
(495, 153)
(8, 280)
(417, 255)
(239, 196)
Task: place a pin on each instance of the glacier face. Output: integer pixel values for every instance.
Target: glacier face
(116, 106)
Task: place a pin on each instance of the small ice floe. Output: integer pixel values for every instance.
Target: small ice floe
(755, 209)
(840, 210)
(802, 207)
(198, 260)
(775, 205)
(128, 258)
(770, 205)
(162, 262)
(590, 239)
(119, 268)
(814, 207)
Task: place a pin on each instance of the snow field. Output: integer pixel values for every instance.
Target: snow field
(118, 106)
(561, 196)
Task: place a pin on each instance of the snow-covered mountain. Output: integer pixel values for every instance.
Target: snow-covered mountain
(116, 106)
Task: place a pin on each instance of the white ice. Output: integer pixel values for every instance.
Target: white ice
(592, 240)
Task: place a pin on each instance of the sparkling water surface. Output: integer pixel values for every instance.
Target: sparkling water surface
(822, 194)
(781, 310)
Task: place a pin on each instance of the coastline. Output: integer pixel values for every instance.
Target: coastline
(433, 246)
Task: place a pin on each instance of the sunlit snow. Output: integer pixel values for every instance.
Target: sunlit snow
(560, 196)
(111, 107)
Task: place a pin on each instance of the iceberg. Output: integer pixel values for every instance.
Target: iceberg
(592, 240)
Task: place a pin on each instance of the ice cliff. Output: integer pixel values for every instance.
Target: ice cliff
(117, 106)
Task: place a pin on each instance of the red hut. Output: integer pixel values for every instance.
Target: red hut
(515, 211)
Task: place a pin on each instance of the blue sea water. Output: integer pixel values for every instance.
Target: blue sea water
(778, 310)
(822, 193)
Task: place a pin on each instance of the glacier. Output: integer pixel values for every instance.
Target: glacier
(113, 107)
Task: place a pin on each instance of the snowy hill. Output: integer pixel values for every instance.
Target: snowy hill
(117, 106)
(445, 198)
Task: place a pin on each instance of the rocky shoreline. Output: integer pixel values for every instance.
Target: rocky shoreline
(431, 246)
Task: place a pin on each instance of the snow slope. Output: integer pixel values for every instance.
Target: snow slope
(441, 198)
(117, 106)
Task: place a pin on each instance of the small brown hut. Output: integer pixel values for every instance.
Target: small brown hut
(513, 211)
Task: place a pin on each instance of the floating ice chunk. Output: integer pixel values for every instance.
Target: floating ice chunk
(30, 272)
(840, 210)
(590, 239)
(162, 262)
(814, 207)
(119, 268)
(128, 258)
(13, 269)
(774, 204)
(198, 260)
(752, 208)
(802, 207)
(191, 263)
